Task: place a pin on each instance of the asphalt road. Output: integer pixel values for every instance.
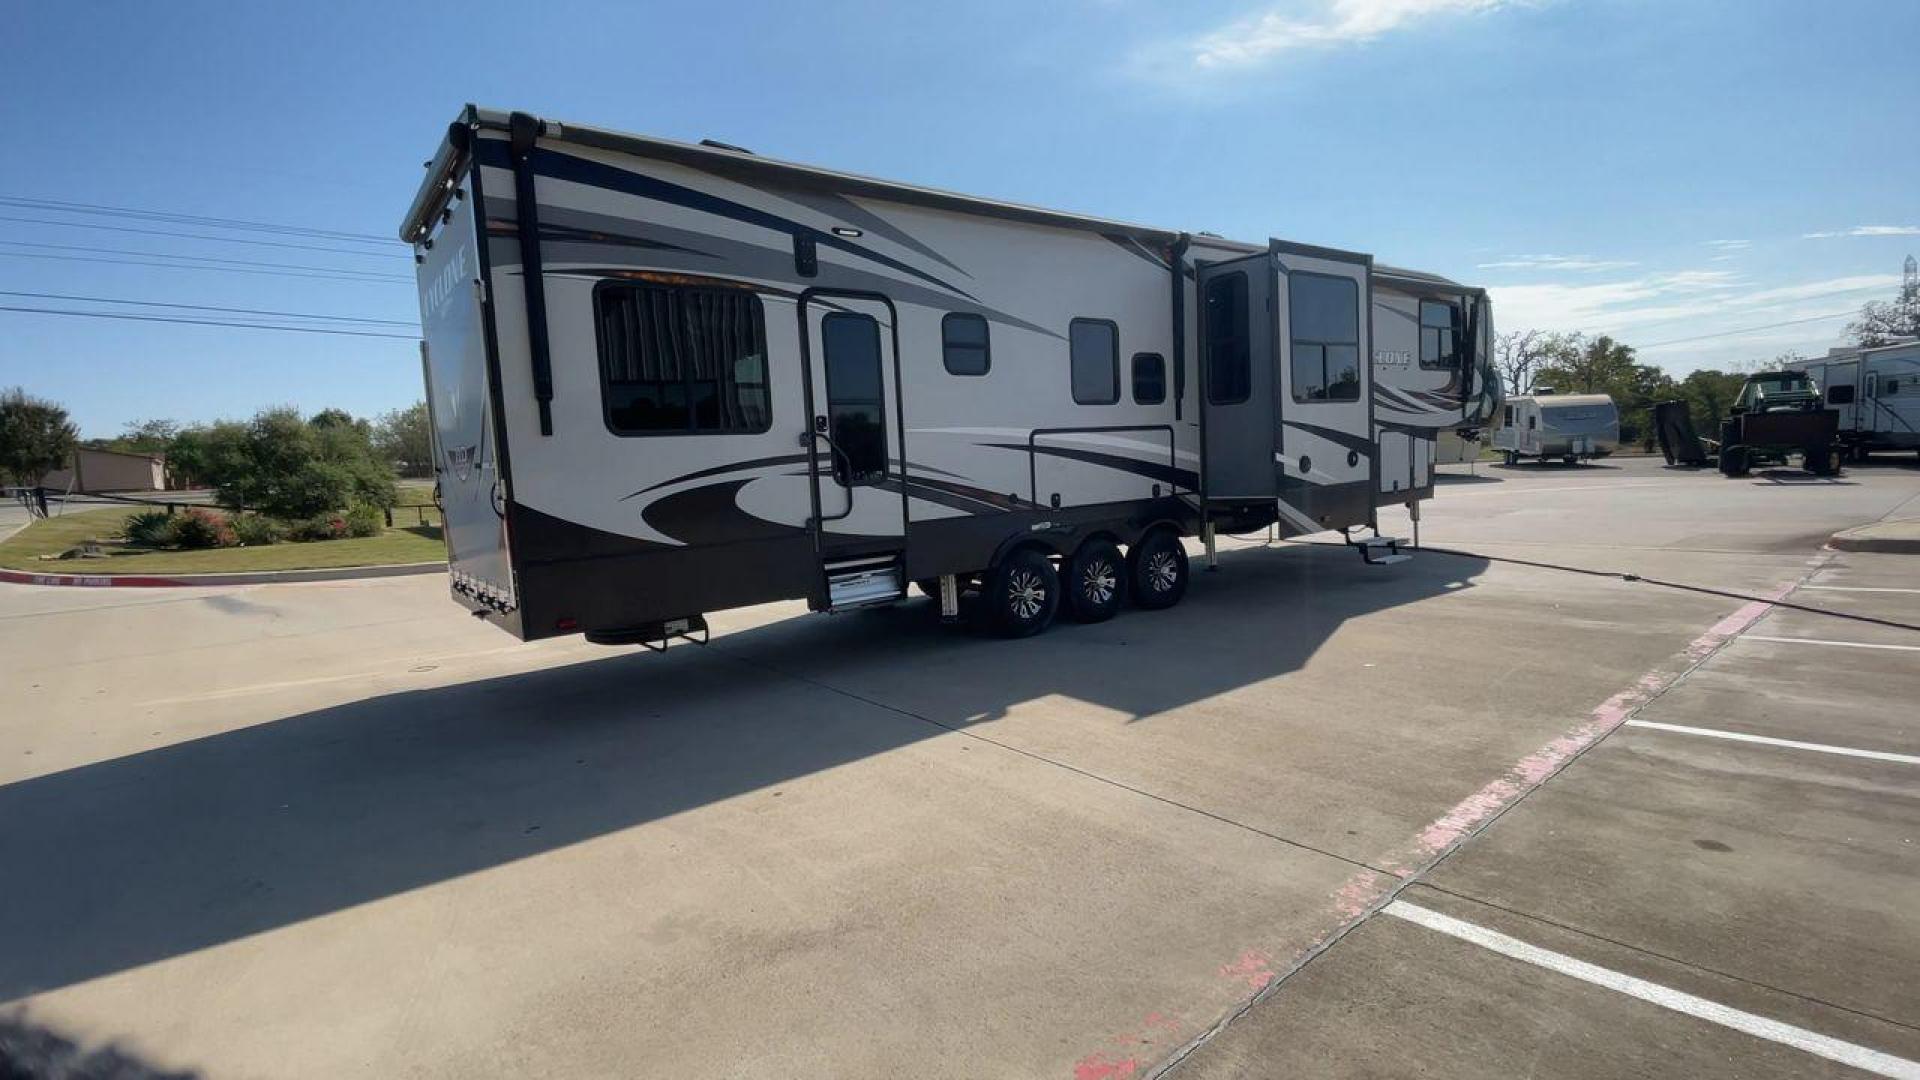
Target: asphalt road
(341, 829)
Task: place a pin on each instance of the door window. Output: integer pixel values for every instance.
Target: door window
(856, 398)
(1229, 357)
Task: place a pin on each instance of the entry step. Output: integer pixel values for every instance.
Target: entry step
(862, 582)
(1382, 550)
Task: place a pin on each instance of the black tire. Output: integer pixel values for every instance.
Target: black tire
(1096, 581)
(1818, 460)
(1022, 594)
(1733, 460)
(1512, 459)
(929, 588)
(1157, 569)
(1570, 459)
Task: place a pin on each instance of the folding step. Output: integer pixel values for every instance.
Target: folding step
(1382, 550)
(862, 582)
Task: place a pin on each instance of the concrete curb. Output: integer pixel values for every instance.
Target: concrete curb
(1886, 537)
(261, 577)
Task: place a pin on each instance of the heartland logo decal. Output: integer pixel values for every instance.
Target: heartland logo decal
(460, 462)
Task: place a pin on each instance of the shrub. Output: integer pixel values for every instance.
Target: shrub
(319, 527)
(148, 528)
(365, 520)
(198, 528)
(290, 468)
(256, 530)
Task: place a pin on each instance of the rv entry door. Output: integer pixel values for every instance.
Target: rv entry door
(853, 435)
(1327, 450)
(1239, 397)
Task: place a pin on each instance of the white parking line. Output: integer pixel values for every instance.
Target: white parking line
(1824, 641)
(1825, 1046)
(1857, 588)
(1791, 744)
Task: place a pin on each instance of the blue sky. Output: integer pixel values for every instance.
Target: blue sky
(1654, 169)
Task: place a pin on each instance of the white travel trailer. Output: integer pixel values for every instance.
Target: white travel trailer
(1547, 425)
(1876, 392)
(668, 379)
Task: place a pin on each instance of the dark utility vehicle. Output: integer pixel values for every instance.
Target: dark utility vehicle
(1777, 413)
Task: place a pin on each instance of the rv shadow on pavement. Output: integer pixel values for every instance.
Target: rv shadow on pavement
(158, 854)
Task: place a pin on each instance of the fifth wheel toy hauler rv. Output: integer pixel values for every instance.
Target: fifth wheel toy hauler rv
(669, 379)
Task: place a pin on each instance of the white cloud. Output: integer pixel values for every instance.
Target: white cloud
(1675, 305)
(1866, 230)
(1583, 263)
(1287, 26)
(1730, 245)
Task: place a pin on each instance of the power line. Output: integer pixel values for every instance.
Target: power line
(202, 236)
(187, 266)
(1751, 329)
(204, 307)
(206, 259)
(210, 322)
(188, 219)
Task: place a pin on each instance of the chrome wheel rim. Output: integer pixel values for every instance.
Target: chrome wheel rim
(1099, 581)
(1162, 571)
(1026, 594)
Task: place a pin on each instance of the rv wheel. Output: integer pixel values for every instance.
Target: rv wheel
(1096, 578)
(1158, 566)
(1512, 459)
(1819, 461)
(1023, 593)
(1570, 459)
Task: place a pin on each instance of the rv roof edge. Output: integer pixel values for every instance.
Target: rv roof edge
(725, 162)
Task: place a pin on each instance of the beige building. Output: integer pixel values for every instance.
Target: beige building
(109, 470)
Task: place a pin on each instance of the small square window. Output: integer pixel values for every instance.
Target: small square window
(964, 344)
(1149, 378)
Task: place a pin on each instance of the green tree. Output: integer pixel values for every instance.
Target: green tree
(36, 436)
(1885, 322)
(404, 439)
(1602, 365)
(1708, 393)
(287, 466)
(144, 437)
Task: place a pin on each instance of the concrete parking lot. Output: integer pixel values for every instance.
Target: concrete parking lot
(1452, 817)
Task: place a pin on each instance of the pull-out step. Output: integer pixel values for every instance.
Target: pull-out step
(1382, 550)
(865, 581)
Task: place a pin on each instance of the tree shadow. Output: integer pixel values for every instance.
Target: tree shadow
(153, 855)
(32, 1051)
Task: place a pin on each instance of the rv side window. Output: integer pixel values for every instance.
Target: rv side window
(1893, 387)
(964, 344)
(1228, 353)
(1508, 421)
(1094, 356)
(1438, 335)
(1325, 316)
(1149, 378)
(677, 361)
(1840, 395)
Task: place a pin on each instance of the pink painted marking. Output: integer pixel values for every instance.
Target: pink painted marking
(1098, 1066)
(1534, 769)
(1255, 968)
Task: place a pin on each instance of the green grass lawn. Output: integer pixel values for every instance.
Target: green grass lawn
(406, 544)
